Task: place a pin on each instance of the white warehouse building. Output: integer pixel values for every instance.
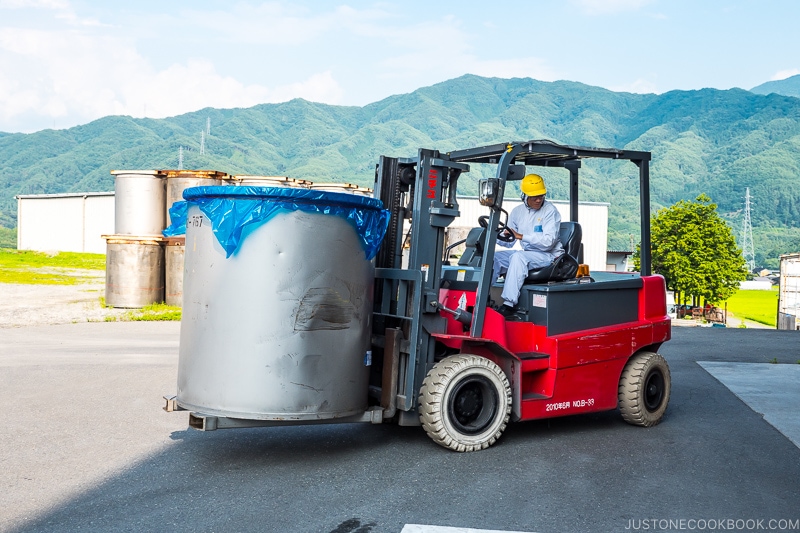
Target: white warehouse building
(70, 222)
(74, 222)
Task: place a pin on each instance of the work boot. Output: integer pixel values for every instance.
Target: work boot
(510, 313)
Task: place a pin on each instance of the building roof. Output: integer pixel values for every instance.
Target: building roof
(63, 195)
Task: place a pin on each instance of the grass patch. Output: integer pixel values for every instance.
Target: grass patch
(152, 312)
(758, 306)
(38, 268)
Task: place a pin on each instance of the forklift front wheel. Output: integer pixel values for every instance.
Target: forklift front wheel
(644, 389)
(465, 402)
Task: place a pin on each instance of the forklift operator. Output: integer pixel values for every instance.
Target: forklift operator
(535, 224)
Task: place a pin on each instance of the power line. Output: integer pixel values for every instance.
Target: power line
(747, 235)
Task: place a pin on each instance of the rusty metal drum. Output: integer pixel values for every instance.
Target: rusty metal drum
(173, 270)
(178, 181)
(134, 271)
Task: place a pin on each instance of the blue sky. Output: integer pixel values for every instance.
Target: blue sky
(68, 62)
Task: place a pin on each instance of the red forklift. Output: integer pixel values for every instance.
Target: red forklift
(445, 358)
(441, 355)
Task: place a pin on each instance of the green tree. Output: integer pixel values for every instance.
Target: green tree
(696, 252)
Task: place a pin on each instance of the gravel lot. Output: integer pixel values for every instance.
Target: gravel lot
(38, 305)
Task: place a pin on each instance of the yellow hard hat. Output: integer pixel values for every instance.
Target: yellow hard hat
(533, 185)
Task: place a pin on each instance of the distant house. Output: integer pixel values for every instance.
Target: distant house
(617, 260)
(70, 222)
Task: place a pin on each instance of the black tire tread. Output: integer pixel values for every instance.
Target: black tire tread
(431, 399)
(631, 383)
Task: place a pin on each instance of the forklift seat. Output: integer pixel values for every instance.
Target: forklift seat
(570, 235)
(565, 266)
(473, 251)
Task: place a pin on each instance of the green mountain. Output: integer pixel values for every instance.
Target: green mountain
(788, 87)
(708, 141)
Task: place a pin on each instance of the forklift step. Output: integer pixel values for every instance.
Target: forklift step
(533, 361)
(534, 396)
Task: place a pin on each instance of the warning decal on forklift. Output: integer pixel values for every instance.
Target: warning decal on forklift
(539, 300)
(462, 301)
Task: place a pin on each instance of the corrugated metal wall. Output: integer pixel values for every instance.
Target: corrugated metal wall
(65, 222)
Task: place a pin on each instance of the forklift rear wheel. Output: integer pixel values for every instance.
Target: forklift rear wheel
(465, 402)
(644, 389)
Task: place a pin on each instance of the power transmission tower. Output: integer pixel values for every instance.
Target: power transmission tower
(202, 142)
(208, 125)
(180, 158)
(747, 235)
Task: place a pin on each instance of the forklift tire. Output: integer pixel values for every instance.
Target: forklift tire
(465, 402)
(644, 389)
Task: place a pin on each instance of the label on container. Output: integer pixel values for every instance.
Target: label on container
(368, 358)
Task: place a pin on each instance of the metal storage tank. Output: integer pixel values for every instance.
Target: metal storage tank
(280, 329)
(134, 271)
(173, 270)
(180, 180)
(270, 181)
(139, 197)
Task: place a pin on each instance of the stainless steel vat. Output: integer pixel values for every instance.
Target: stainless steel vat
(173, 267)
(269, 181)
(134, 271)
(138, 202)
(179, 180)
(280, 330)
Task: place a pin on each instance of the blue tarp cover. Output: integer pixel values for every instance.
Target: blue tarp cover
(231, 209)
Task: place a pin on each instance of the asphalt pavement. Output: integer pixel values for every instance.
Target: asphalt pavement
(85, 446)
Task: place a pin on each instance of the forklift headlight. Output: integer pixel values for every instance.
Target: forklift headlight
(487, 191)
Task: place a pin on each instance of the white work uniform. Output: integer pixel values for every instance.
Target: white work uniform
(540, 245)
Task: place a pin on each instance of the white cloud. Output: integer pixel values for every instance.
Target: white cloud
(422, 45)
(606, 7)
(77, 77)
(783, 74)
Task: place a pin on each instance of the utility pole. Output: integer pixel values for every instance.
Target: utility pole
(747, 235)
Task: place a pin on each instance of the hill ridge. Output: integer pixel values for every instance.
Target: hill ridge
(705, 141)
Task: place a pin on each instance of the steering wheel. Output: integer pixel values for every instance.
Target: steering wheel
(483, 221)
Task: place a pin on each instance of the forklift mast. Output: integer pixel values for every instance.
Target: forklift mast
(421, 194)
